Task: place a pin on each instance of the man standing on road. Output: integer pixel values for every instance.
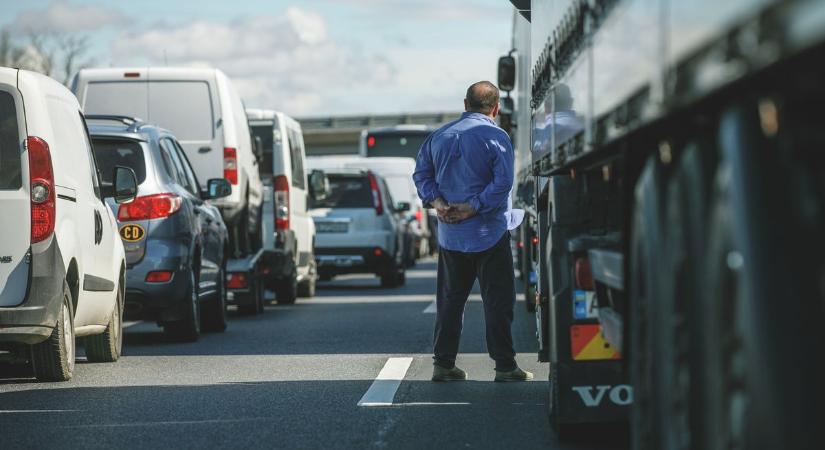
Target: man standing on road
(465, 171)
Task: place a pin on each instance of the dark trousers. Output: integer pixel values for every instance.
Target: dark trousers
(457, 271)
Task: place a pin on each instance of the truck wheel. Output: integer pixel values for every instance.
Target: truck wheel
(287, 290)
(53, 359)
(107, 346)
(762, 308)
(187, 329)
(562, 429)
(679, 340)
(644, 292)
(213, 318)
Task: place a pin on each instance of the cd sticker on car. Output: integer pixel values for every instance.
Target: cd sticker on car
(132, 232)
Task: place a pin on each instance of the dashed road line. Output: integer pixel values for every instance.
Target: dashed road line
(383, 388)
(127, 324)
(431, 308)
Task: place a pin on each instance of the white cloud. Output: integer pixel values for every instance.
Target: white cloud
(286, 62)
(61, 17)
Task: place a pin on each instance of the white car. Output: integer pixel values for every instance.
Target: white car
(202, 108)
(397, 171)
(61, 257)
(289, 231)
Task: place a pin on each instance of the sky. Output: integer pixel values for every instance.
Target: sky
(307, 58)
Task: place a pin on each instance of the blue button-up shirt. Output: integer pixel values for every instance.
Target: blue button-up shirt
(469, 160)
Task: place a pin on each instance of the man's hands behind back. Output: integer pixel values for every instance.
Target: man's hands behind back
(453, 213)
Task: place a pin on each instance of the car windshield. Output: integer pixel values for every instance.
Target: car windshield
(346, 191)
(118, 152)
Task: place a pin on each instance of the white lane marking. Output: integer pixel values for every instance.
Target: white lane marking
(432, 404)
(431, 308)
(170, 422)
(382, 391)
(128, 324)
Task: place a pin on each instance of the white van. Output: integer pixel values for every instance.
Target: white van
(289, 231)
(61, 258)
(202, 108)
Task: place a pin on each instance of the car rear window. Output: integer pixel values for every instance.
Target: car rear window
(10, 171)
(184, 107)
(119, 152)
(346, 191)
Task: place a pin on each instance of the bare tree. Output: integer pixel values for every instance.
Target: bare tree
(57, 55)
(73, 49)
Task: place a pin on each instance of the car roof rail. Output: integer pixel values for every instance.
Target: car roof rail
(133, 123)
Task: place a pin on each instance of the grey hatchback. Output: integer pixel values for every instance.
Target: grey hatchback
(176, 243)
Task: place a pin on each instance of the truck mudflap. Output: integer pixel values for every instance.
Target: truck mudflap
(591, 392)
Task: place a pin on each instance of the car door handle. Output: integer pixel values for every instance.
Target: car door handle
(204, 149)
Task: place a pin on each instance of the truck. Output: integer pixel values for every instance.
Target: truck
(674, 190)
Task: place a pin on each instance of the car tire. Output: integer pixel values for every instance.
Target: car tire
(213, 317)
(187, 329)
(393, 277)
(54, 358)
(306, 289)
(287, 291)
(107, 346)
(251, 303)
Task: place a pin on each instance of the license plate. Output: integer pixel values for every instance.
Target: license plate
(331, 227)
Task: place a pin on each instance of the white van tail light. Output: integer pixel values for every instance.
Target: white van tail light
(230, 165)
(376, 194)
(41, 175)
(281, 185)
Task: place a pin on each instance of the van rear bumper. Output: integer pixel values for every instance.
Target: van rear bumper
(34, 319)
(342, 260)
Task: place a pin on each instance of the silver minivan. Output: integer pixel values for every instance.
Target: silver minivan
(201, 107)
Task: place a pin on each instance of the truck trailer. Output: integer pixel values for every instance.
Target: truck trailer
(674, 189)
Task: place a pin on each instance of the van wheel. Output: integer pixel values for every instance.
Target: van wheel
(53, 359)
(107, 346)
(252, 302)
(187, 329)
(287, 290)
(214, 312)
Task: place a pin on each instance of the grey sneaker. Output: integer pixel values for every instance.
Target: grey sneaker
(454, 374)
(514, 375)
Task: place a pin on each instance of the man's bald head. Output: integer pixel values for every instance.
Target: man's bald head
(482, 97)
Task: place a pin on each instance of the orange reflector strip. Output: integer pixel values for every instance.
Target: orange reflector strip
(587, 344)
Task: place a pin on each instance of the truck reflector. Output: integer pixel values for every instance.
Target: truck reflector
(588, 344)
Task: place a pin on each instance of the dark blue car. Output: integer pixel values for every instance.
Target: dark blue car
(175, 241)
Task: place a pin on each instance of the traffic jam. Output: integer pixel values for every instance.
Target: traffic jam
(245, 226)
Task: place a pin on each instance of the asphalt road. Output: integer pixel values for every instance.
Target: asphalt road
(292, 378)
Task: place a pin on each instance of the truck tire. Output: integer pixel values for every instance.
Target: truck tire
(763, 306)
(680, 341)
(187, 329)
(213, 317)
(107, 346)
(644, 291)
(252, 302)
(563, 430)
(53, 359)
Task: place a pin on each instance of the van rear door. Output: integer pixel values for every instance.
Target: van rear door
(15, 221)
(189, 109)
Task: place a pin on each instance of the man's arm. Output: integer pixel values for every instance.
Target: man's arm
(496, 193)
(424, 176)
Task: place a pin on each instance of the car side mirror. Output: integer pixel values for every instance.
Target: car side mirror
(506, 73)
(258, 148)
(217, 188)
(318, 185)
(125, 184)
(402, 206)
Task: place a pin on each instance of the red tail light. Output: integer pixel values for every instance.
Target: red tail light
(377, 251)
(535, 240)
(155, 206)
(376, 194)
(371, 141)
(43, 203)
(584, 274)
(520, 244)
(281, 185)
(419, 216)
(159, 276)
(235, 281)
(230, 165)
